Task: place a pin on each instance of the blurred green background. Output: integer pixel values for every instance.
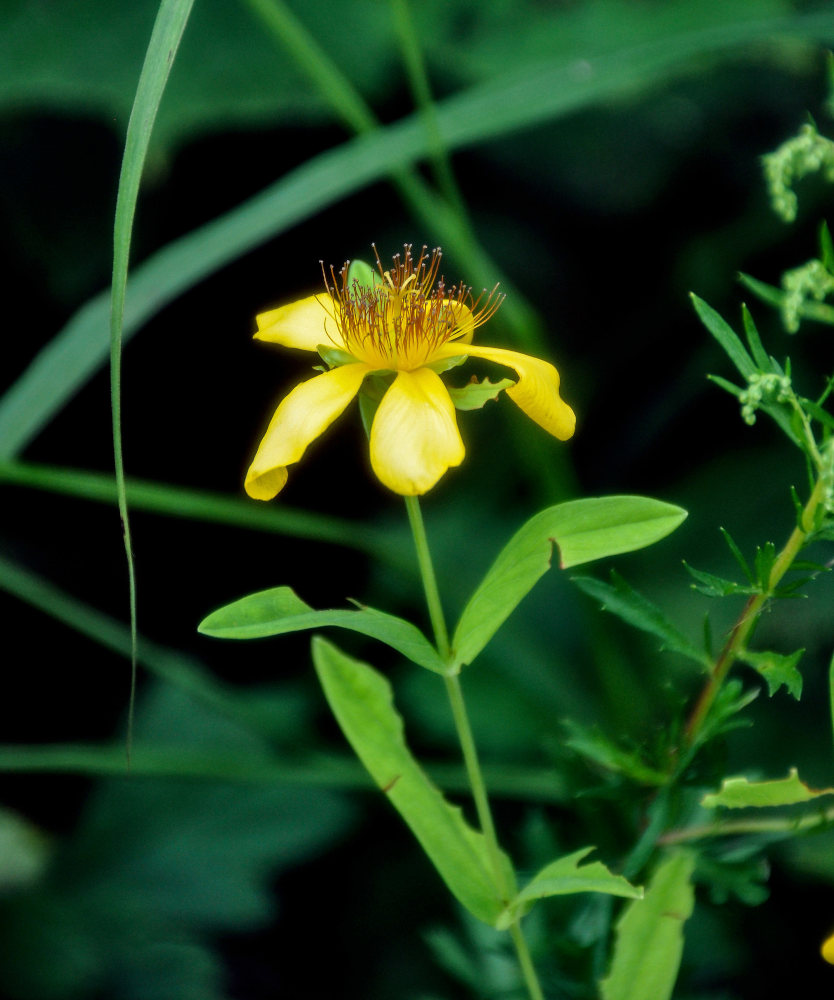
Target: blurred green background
(608, 155)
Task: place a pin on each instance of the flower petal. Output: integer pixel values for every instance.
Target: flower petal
(537, 389)
(304, 324)
(415, 437)
(301, 417)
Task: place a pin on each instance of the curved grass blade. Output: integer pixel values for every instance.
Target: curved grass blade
(165, 39)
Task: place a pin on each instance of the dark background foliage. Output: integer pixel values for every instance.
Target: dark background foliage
(604, 219)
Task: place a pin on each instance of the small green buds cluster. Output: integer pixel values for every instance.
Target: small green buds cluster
(763, 388)
(807, 152)
(811, 281)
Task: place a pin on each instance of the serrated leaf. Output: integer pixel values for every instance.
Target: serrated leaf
(362, 701)
(716, 586)
(649, 943)
(565, 876)
(583, 530)
(740, 793)
(279, 610)
(622, 600)
(777, 670)
(475, 394)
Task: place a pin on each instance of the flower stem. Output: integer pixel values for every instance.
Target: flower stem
(743, 628)
(501, 879)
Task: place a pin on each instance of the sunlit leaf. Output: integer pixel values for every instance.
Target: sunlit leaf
(362, 701)
(649, 943)
(279, 610)
(583, 530)
(565, 876)
(740, 793)
(475, 394)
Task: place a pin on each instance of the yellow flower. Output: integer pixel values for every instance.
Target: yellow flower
(404, 326)
(827, 949)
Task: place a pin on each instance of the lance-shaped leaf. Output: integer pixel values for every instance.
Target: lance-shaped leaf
(565, 876)
(625, 602)
(649, 945)
(739, 793)
(362, 701)
(584, 530)
(279, 610)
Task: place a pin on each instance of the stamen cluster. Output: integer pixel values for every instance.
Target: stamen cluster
(400, 319)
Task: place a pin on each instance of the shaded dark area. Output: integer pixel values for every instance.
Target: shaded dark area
(605, 220)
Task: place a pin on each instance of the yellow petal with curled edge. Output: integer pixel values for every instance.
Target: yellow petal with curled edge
(414, 436)
(301, 417)
(537, 389)
(304, 324)
(827, 950)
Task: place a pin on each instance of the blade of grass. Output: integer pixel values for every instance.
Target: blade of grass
(199, 505)
(165, 39)
(516, 100)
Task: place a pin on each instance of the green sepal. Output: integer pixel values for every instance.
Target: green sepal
(566, 876)
(583, 530)
(362, 701)
(280, 610)
(362, 274)
(446, 364)
(370, 396)
(740, 793)
(777, 670)
(474, 394)
(649, 944)
(335, 357)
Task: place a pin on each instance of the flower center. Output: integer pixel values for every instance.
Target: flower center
(400, 319)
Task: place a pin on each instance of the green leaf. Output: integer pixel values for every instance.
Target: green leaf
(725, 335)
(622, 600)
(760, 355)
(564, 877)
(826, 248)
(362, 701)
(473, 395)
(598, 748)
(649, 944)
(584, 530)
(716, 586)
(279, 610)
(739, 793)
(777, 670)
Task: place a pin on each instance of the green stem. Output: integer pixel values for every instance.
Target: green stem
(467, 742)
(421, 544)
(743, 628)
